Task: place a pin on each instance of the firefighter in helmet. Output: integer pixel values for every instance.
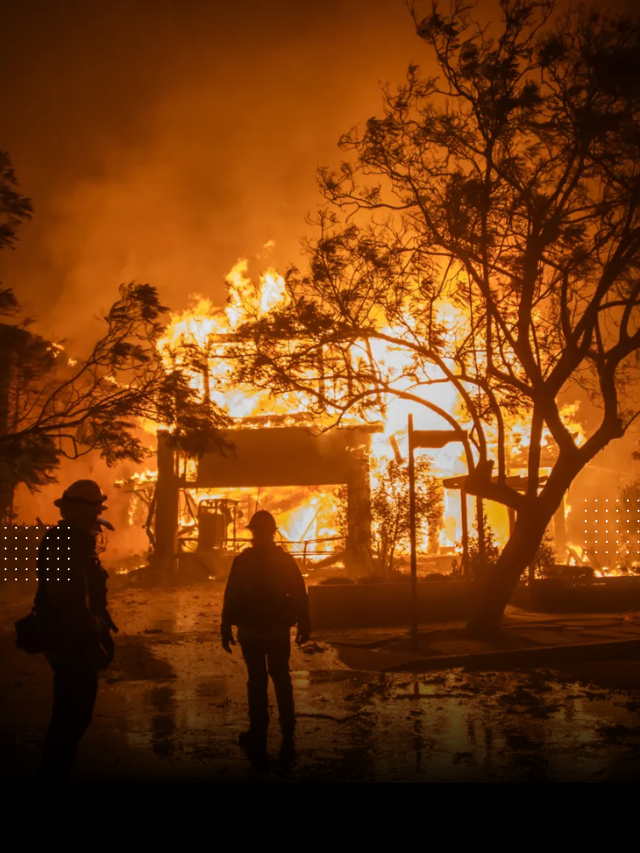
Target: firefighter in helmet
(72, 600)
(265, 598)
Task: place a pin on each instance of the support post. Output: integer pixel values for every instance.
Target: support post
(167, 507)
(359, 507)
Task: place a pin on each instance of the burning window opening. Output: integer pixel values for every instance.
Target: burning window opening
(309, 520)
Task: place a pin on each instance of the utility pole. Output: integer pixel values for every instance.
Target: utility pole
(429, 438)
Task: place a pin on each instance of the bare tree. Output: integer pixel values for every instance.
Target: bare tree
(484, 232)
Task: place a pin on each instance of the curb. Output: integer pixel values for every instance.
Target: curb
(523, 657)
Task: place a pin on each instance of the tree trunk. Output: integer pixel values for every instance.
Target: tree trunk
(494, 594)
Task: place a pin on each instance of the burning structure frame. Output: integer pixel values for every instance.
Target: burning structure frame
(267, 457)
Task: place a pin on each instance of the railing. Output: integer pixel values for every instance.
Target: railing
(300, 549)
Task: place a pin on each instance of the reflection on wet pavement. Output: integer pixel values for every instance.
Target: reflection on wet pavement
(173, 704)
(163, 725)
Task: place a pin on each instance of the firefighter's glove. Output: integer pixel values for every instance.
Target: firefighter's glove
(303, 636)
(226, 635)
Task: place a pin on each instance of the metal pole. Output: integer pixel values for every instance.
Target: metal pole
(167, 494)
(414, 556)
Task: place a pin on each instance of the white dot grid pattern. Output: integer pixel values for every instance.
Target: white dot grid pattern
(19, 553)
(612, 529)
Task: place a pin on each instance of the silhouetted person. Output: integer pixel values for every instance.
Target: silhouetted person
(72, 598)
(265, 597)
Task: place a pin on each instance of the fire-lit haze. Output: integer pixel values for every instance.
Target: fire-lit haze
(160, 141)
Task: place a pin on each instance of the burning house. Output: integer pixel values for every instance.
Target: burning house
(317, 482)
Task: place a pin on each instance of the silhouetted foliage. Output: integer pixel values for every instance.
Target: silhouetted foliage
(545, 556)
(14, 209)
(390, 509)
(70, 407)
(482, 560)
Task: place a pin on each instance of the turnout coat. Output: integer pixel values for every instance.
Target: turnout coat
(72, 599)
(265, 594)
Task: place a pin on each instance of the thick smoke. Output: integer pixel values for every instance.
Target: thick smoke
(161, 141)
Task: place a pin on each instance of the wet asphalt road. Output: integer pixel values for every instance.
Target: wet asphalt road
(172, 705)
